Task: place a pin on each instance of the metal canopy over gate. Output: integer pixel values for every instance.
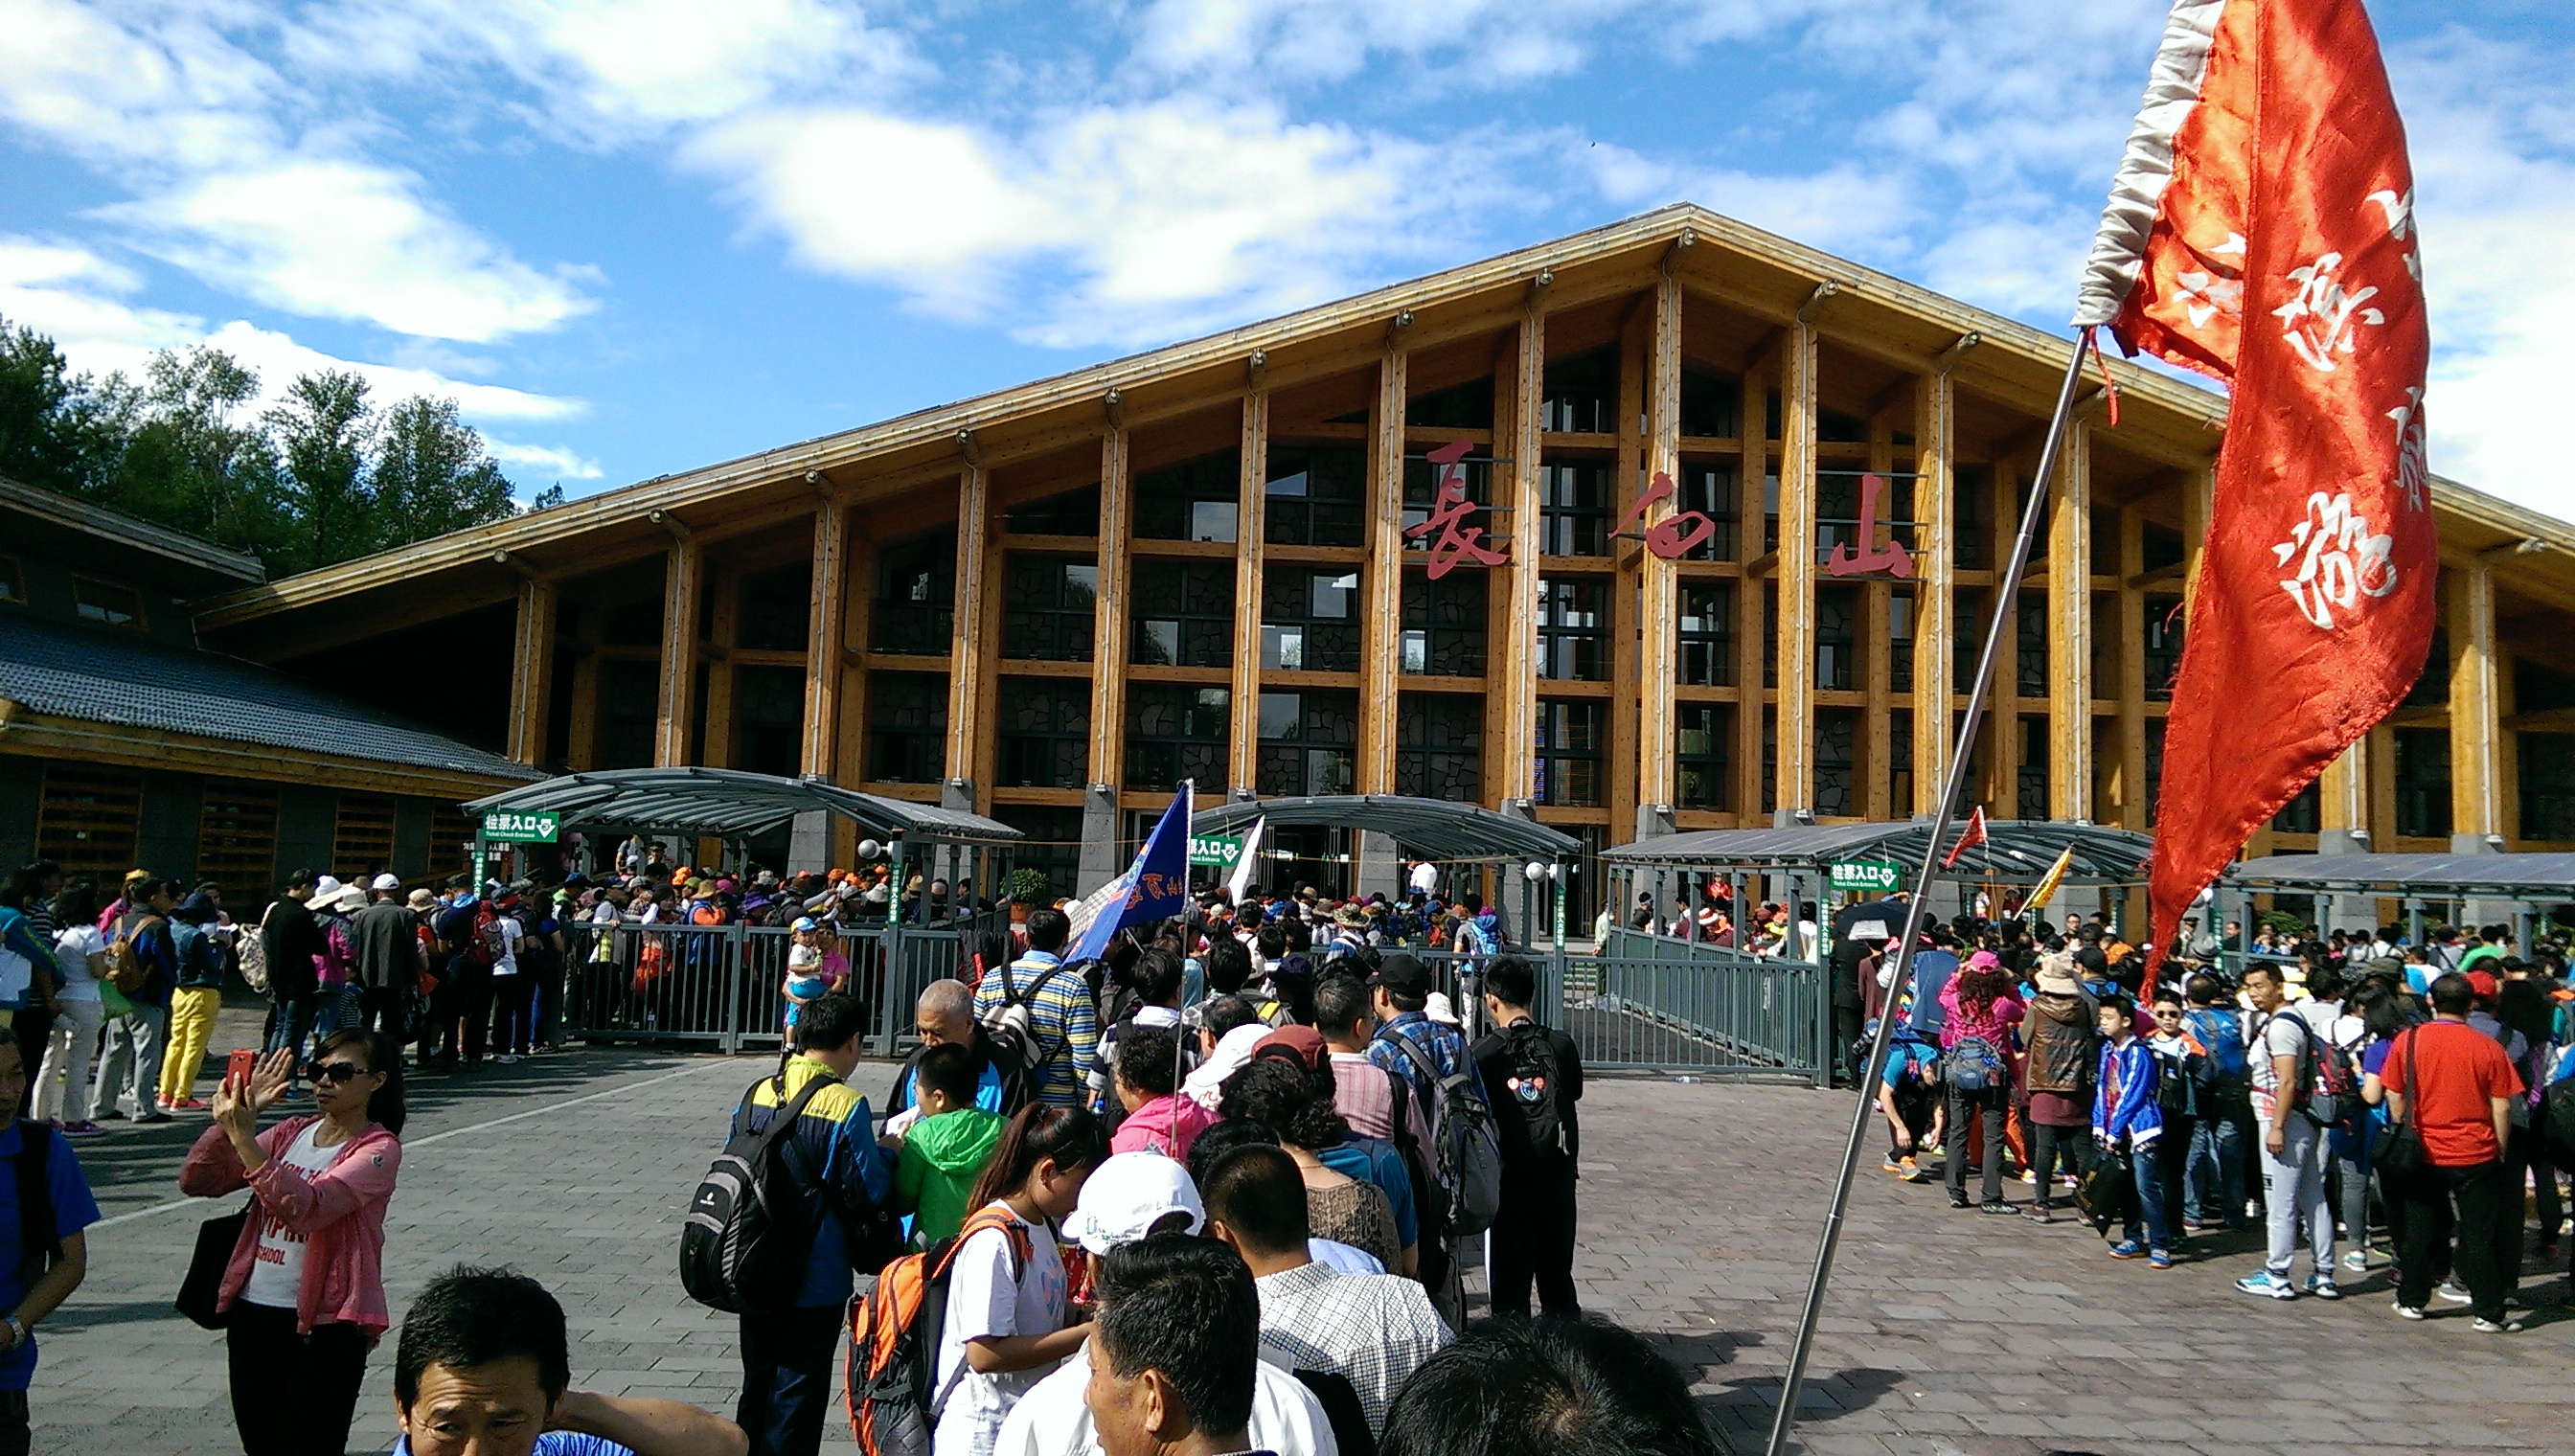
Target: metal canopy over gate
(2528, 881)
(1439, 828)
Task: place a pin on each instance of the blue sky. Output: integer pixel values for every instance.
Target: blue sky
(633, 238)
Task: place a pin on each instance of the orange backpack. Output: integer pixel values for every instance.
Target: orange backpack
(894, 1340)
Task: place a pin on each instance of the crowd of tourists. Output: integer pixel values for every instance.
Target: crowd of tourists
(2383, 1108)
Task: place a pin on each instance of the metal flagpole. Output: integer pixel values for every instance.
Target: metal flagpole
(1863, 1103)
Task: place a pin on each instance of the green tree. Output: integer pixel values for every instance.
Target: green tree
(325, 433)
(57, 430)
(433, 474)
(190, 460)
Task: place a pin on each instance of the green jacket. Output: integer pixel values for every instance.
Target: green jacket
(942, 1159)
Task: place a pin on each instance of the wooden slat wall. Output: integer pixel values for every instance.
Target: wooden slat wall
(237, 844)
(362, 837)
(88, 821)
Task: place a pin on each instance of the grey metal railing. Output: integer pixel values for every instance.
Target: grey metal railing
(1671, 1005)
(723, 987)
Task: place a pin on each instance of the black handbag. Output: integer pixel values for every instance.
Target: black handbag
(2397, 1151)
(216, 1240)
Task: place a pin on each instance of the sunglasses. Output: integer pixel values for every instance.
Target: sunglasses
(337, 1071)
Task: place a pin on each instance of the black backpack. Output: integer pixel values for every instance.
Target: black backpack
(1529, 1072)
(749, 1228)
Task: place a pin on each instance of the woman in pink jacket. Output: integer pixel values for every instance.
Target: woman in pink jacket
(305, 1292)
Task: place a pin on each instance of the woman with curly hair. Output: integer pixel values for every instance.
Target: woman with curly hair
(1977, 1029)
(1275, 1093)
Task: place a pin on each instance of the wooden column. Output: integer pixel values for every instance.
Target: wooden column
(532, 670)
(1250, 509)
(1626, 632)
(582, 753)
(1516, 774)
(2132, 672)
(2198, 502)
(2476, 730)
(2069, 630)
(825, 613)
(965, 656)
(715, 751)
(1657, 581)
(1935, 571)
(1109, 616)
(1750, 652)
(1382, 582)
(682, 578)
(1796, 774)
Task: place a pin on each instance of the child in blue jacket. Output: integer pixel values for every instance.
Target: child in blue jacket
(2126, 1118)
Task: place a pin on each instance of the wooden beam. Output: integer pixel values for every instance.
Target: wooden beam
(1795, 783)
(966, 653)
(826, 621)
(1658, 585)
(1243, 764)
(715, 751)
(1526, 382)
(1627, 665)
(1935, 569)
(2198, 502)
(532, 672)
(1382, 641)
(682, 575)
(2069, 630)
(2476, 806)
(41, 736)
(1107, 759)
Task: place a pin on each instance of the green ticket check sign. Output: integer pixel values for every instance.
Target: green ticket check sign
(504, 827)
(1218, 851)
(1873, 876)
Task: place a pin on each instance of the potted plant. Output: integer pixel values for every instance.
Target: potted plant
(1028, 886)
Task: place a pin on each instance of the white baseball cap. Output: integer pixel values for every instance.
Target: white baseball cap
(1127, 1195)
(386, 881)
(325, 890)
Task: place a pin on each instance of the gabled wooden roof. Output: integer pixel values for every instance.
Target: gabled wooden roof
(1855, 309)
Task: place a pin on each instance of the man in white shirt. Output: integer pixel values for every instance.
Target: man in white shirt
(1424, 878)
(1370, 1330)
(1127, 1198)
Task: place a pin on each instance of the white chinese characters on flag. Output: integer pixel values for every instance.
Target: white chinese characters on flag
(2261, 230)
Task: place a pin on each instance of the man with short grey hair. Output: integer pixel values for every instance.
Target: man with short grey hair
(945, 1014)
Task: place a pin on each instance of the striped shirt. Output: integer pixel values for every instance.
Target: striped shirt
(1060, 1016)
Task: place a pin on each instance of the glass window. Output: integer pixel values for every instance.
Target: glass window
(1838, 509)
(1074, 512)
(1710, 489)
(2163, 646)
(1183, 614)
(1046, 605)
(1899, 641)
(1706, 635)
(1309, 620)
(1838, 621)
(2031, 801)
(1054, 843)
(1969, 625)
(100, 602)
(1838, 761)
(1568, 753)
(768, 720)
(2547, 785)
(2302, 815)
(2032, 677)
(630, 711)
(1574, 508)
(1444, 625)
(1971, 490)
(1704, 756)
(915, 596)
(1467, 405)
(774, 605)
(1318, 496)
(1177, 732)
(1899, 761)
(1711, 403)
(1439, 745)
(1309, 742)
(2433, 688)
(2423, 782)
(1574, 631)
(2155, 768)
(1581, 394)
(1193, 502)
(907, 727)
(1044, 734)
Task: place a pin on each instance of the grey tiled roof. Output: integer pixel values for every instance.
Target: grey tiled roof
(99, 674)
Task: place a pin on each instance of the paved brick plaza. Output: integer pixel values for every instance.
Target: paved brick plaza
(1951, 1332)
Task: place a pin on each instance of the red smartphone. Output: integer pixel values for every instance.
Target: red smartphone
(237, 1067)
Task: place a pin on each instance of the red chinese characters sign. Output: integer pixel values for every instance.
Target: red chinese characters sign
(1450, 510)
(1677, 535)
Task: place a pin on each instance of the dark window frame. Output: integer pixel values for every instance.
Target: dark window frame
(907, 727)
(1574, 507)
(1181, 502)
(1573, 629)
(914, 610)
(1330, 504)
(1572, 764)
(1042, 732)
(1442, 629)
(1041, 620)
(1323, 643)
(1301, 734)
(96, 601)
(1439, 746)
(1198, 613)
(1178, 731)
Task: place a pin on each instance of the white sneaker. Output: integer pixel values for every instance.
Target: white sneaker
(2454, 1291)
(509, 1059)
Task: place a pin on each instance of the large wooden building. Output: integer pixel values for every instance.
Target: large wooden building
(1052, 603)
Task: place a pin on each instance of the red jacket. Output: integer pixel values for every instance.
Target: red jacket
(341, 1213)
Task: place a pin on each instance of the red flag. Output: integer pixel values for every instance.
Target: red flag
(2261, 230)
(1969, 838)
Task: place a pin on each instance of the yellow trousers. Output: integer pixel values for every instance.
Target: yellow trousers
(192, 1025)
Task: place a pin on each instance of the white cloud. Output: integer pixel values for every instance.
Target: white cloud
(340, 239)
(1127, 224)
(1841, 209)
(540, 460)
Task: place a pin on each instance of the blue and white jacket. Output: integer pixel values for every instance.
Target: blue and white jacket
(2123, 1097)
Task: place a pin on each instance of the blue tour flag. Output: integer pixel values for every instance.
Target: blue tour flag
(1154, 887)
